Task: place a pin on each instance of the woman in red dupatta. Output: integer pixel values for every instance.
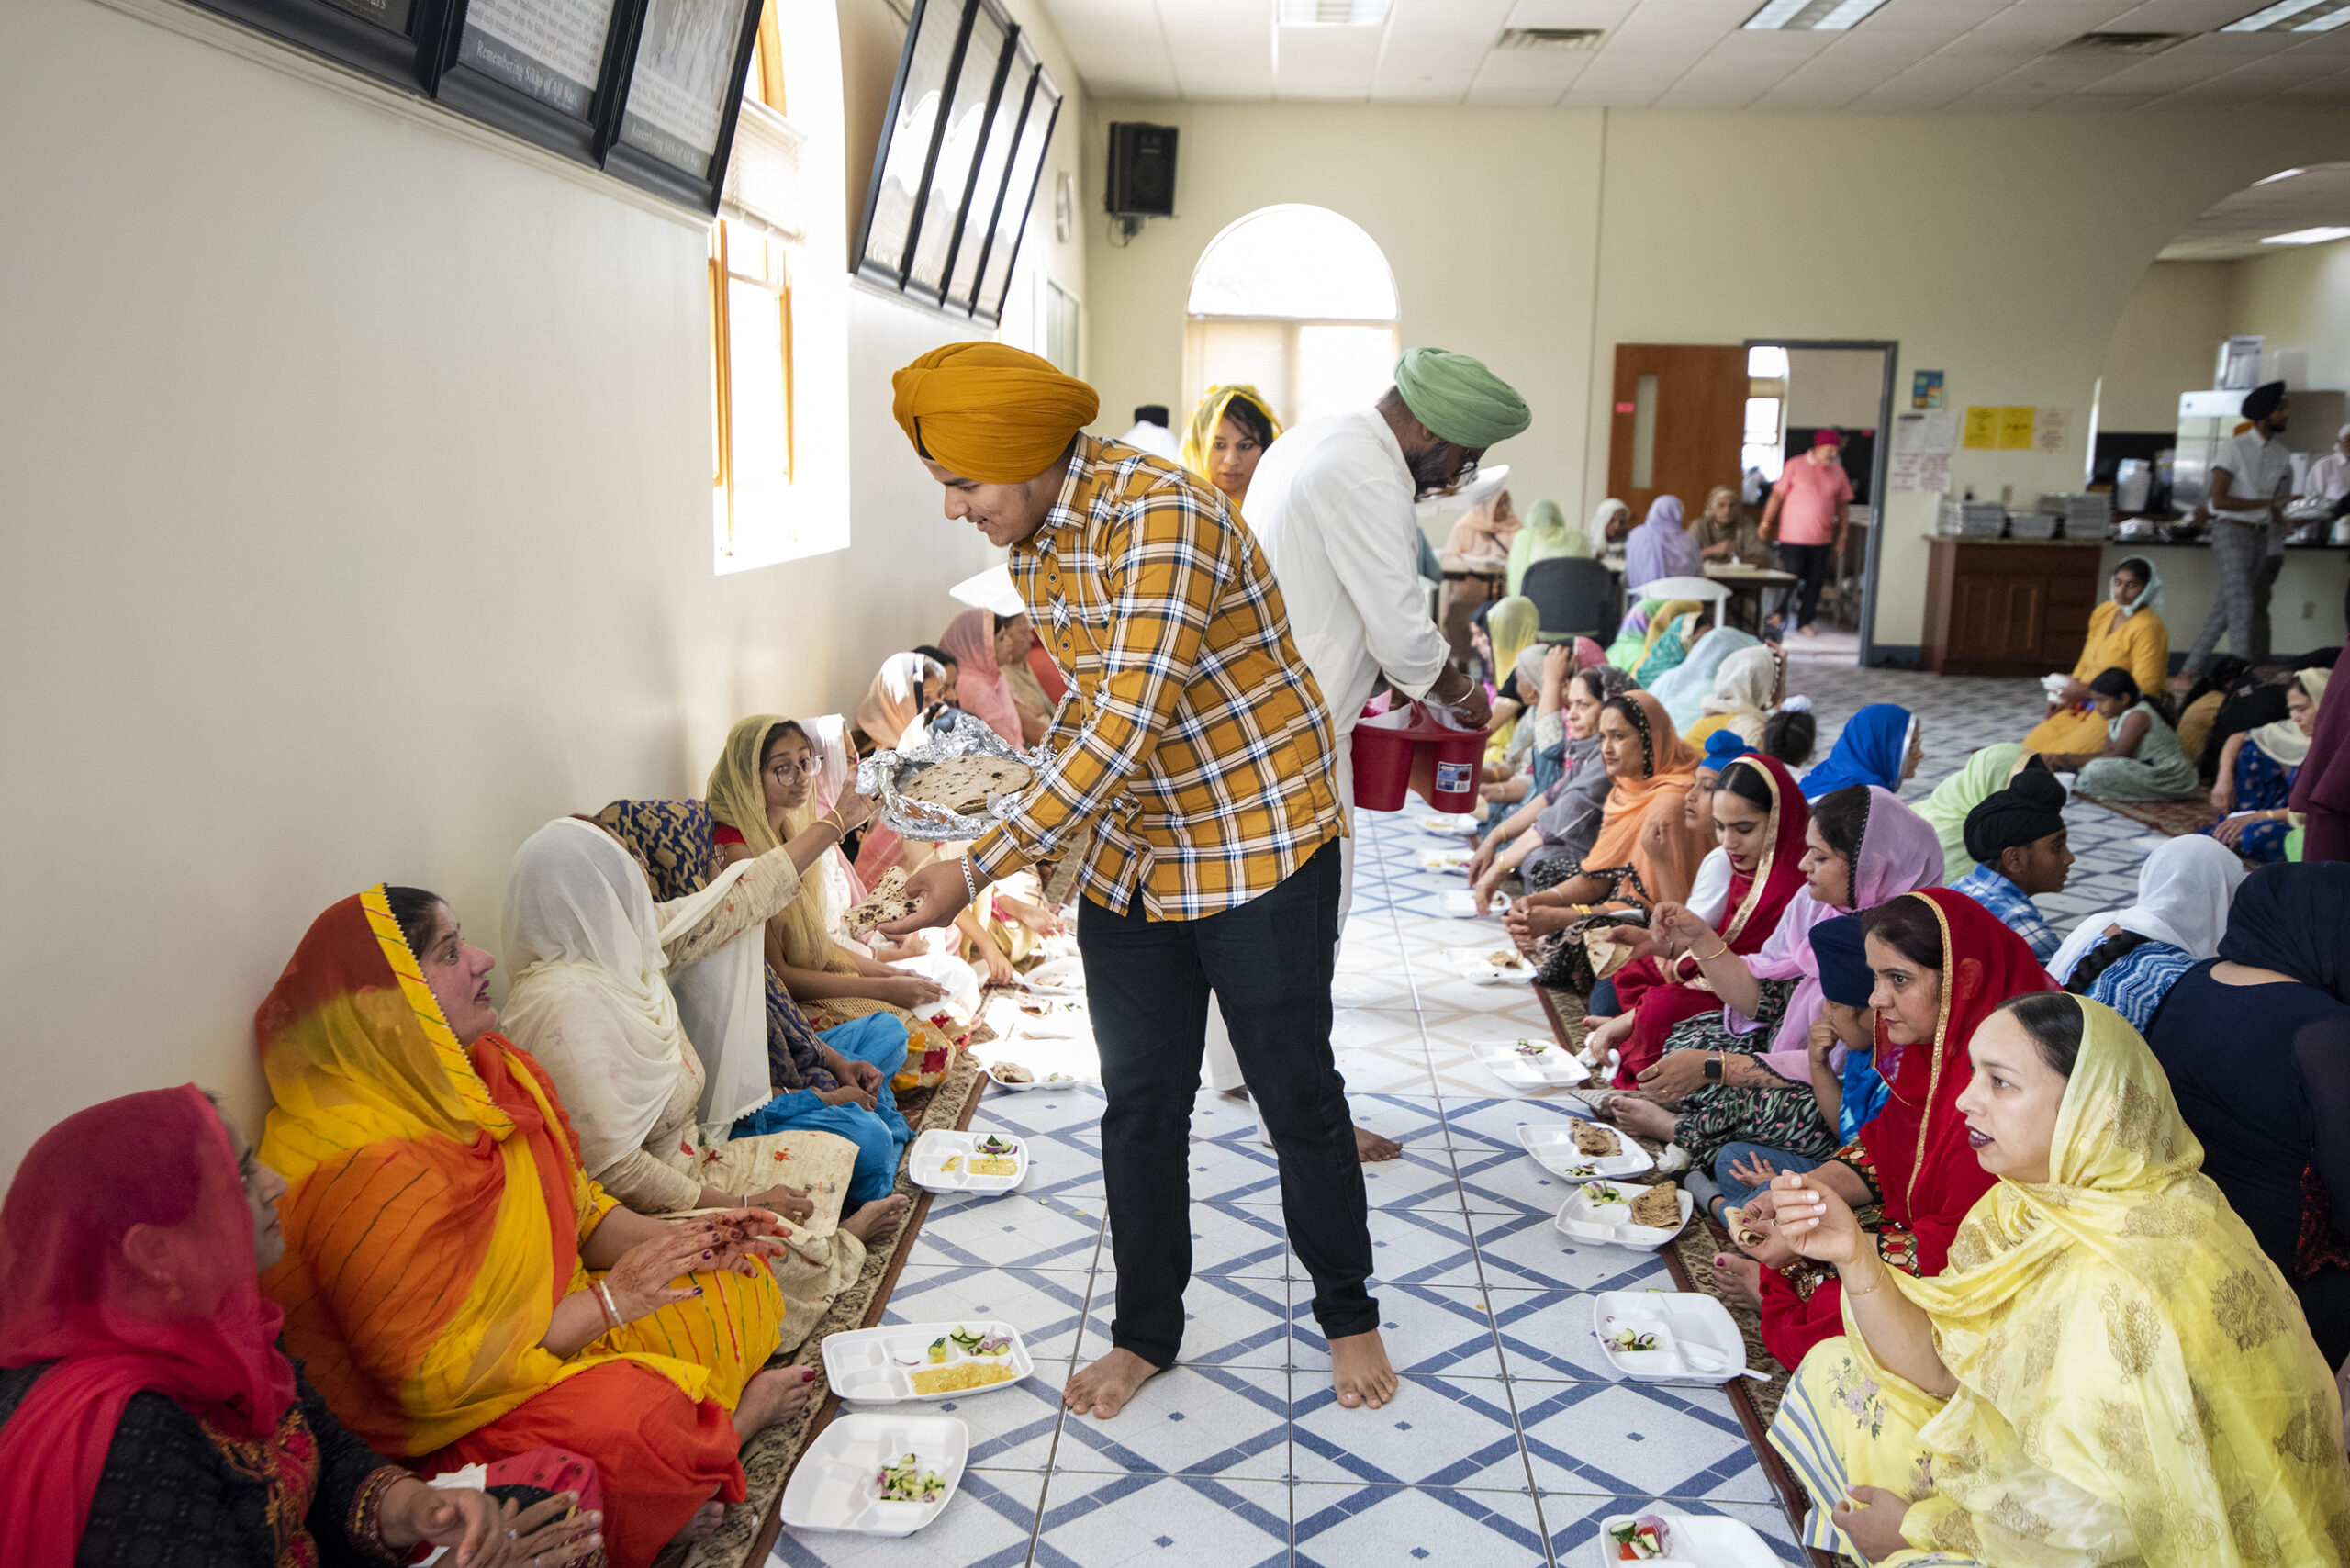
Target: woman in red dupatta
(461, 1290)
(1944, 963)
(1766, 871)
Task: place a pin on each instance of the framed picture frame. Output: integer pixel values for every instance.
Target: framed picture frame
(963, 129)
(1021, 179)
(392, 40)
(681, 75)
(543, 69)
(902, 164)
(985, 204)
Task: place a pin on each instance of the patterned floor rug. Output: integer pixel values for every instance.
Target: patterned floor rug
(748, 1532)
(2174, 819)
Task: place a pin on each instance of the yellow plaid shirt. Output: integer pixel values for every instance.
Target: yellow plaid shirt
(1192, 740)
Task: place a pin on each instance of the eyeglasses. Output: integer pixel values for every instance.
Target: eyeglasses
(786, 771)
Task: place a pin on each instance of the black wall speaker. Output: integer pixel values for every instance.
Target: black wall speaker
(1142, 170)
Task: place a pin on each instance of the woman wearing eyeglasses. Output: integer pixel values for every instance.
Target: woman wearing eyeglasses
(761, 793)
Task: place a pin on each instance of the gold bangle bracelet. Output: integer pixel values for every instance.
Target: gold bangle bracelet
(1710, 958)
(1872, 1283)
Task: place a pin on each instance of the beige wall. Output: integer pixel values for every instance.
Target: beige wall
(1835, 386)
(356, 488)
(1998, 249)
(2299, 299)
(2165, 342)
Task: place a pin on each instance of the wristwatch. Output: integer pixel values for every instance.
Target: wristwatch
(1714, 1068)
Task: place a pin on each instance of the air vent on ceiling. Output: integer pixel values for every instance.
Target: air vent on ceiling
(2122, 43)
(1552, 37)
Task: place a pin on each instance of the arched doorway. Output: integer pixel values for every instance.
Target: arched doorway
(1298, 302)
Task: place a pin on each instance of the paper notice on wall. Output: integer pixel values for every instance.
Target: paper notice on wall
(1920, 473)
(2052, 430)
(1931, 431)
(2015, 428)
(1982, 428)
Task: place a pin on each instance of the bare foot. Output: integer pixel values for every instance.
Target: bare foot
(772, 1396)
(1359, 1371)
(1643, 1116)
(1372, 1148)
(702, 1526)
(1741, 1279)
(880, 1214)
(1104, 1388)
(1806, 631)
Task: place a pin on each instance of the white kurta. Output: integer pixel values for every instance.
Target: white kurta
(1331, 506)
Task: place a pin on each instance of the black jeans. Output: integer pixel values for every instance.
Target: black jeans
(1270, 963)
(1812, 564)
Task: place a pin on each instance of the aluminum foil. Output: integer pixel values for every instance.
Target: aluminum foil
(883, 773)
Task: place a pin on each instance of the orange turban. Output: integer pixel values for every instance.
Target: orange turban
(990, 413)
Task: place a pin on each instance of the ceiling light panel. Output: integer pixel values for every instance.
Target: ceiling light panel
(2306, 237)
(2294, 16)
(1818, 16)
(1332, 13)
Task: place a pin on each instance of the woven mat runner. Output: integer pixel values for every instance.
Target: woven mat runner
(2176, 819)
(748, 1532)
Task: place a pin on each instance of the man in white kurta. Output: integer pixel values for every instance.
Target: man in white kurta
(1332, 506)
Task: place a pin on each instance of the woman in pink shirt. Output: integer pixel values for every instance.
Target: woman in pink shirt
(1805, 519)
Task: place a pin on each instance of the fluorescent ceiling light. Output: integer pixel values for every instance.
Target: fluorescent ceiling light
(2307, 236)
(1332, 13)
(1820, 15)
(2294, 16)
(2280, 174)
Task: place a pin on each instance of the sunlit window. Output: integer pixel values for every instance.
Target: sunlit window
(1298, 302)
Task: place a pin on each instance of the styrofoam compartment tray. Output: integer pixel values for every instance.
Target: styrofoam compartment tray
(1063, 1082)
(1463, 824)
(1477, 964)
(1460, 903)
(1554, 1150)
(1699, 1541)
(1583, 1218)
(869, 1364)
(1696, 1340)
(837, 1484)
(933, 1152)
(1453, 860)
(1553, 1066)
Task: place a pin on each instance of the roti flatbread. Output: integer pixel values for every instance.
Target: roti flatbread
(962, 784)
(1658, 1207)
(1593, 1139)
(886, 903)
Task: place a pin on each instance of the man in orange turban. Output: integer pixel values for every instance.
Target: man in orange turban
(1196, 750)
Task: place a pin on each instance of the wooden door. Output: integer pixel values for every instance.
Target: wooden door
(1679, 422)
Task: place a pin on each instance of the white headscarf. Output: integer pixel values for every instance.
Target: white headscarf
(1743, 689)
(2283, 740)
(2149, 598)
(1596, 529)
(2184, 890)
(589, 998)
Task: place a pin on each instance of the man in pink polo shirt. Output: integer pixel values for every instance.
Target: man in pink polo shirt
(1805, 519)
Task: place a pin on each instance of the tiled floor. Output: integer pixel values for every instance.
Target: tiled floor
(1510, 1440)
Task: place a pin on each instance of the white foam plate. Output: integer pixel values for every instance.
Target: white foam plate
(1699, 1541)
(1581, 1219)
(837, 1484)
(1461, 904)
(869, 1364)
(935, 1150)
(1554, 1067)
(1462, 826)
(1452, 860)
(1696, 1340)
(1047, 1081)
(1056, 976)
(1554, 1150)
(1477, 964)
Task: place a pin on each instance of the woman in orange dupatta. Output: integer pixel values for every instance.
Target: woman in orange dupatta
(459, 1288)
(1646, 853)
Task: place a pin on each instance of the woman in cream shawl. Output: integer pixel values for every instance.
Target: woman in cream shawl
(1751, 685)
(653, 1078)
(760, 790)
(2109, 1371)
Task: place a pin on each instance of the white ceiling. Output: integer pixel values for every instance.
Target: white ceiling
(1911, 55)
(2318, 197)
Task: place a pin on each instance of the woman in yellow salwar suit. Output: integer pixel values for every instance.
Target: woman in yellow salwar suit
(2107, 1371)
(460, 1289)
(2125, 632)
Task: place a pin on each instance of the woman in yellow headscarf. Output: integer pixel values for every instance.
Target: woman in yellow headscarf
(461, 1290)
(2108, 1371)
(1511, 628)
(2125, 632)
(1229, 434)
(761, 793)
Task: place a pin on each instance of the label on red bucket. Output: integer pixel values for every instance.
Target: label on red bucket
(1452, 778)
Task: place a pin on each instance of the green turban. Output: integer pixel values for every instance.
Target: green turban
(1458, 399)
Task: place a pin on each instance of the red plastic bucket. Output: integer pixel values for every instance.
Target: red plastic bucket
(1390, 761)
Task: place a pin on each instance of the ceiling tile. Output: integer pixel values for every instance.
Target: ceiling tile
(1525, 69)
(1568, 13)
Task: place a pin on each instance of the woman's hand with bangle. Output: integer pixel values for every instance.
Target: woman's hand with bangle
(639, 1283)
(470, 1523)
(1818, 1223)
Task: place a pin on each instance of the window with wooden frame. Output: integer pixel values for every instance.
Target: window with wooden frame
(1298, 302)
(750, 334)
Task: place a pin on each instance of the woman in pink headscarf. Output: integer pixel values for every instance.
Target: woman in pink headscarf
(982, 691)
